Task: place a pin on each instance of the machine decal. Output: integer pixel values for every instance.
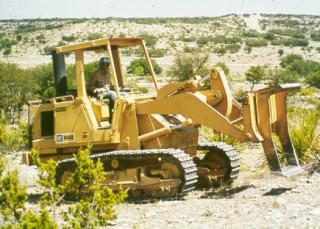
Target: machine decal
(65, 138)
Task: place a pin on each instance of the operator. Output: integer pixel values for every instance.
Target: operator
(100, 84)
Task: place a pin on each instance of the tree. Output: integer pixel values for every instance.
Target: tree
(44, 80)
(280, 52)
(255, 74)
(136, 67)
(188, 65)
(223, 66)
(16, 88)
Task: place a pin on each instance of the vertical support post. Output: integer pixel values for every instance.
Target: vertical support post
(282, 129)
(264, 126)
(117, 64)
(113, 69)
(81, 85)
(153, 75)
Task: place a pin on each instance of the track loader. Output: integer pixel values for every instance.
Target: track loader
(151, 144)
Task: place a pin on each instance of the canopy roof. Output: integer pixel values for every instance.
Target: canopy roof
(100, 44)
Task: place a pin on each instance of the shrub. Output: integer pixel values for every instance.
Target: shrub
(280, 52)
(44, 81)
(302, 126)
(220, 50)
(95, 207)
(255, 74)
(250, 33)
(150, 40)
(295, 42)
(69, 38)
(13, 199)
(153, 52)
(256, 42)
(204, 40)
(14, 137)
(223, 66)
(284, 76)
(6, 43)
(41, 39)
(313, 79)
(248, 49)
(288, 32)
(94, 36)
(7, 51)
(188, 65)
(140, 64)
(16, 88)
(315, 36)
(269, 36)
(190, 49)
(233, 48)
(276, 42)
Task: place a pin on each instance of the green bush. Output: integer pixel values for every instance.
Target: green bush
(288, 32)
(280, 52)
(284, 76)
(250, 33)
(44, 80)
(255, 74)
(41, 39)
(302, 126)
(269, 36)
(140, 64)
(94, 36)
(188, 65)
(186, 39)
(204, 40)
(69, 38)
(256, 42)
(153, 52)
(150, 40)
(190, 49)
(7, 52)
(248, 49)
(276, 42)
(233, 48)
(293, 42)
(220, 50)
(86, 184)
(224, 67)
(13, 199)
(315, 36)
(313, 79)
(16, 88)
(6, 43)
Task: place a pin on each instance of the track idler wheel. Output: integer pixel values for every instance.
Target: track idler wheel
(220, 165)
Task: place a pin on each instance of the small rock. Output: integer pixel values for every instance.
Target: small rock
(207, 213)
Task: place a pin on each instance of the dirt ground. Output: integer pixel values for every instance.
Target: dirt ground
(257, 199)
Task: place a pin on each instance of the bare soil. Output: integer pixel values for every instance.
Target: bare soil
(257, 199)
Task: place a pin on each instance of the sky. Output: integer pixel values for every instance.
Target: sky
(20, 9)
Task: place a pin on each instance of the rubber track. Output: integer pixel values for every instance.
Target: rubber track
(230, 153)
(179, 157)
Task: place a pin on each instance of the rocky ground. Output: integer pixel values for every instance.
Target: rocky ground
(257, 199)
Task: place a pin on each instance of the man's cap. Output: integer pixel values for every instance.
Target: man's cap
(104, 60)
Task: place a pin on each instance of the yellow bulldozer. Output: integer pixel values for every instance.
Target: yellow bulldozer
(150, 145)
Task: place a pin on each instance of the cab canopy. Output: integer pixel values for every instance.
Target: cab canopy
(111, 46)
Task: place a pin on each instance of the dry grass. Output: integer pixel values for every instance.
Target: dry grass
(303, 130)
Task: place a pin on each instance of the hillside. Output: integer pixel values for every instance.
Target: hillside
(240, 41)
